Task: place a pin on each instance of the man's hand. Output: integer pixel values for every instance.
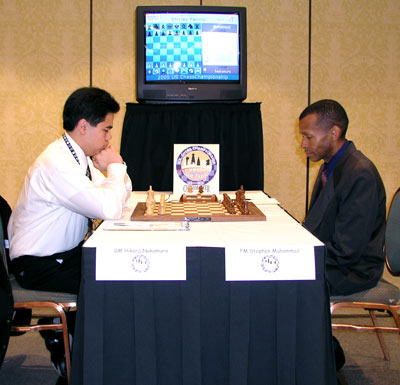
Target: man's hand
(105, 157)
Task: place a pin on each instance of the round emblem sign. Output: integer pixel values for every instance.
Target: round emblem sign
(196, 165)
(270, 264)
(140, 263)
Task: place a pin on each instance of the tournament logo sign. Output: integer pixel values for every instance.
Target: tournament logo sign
(270, 263)
(196, 165)
(140, 263)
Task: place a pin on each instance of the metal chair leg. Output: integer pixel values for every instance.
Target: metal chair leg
(381, 340)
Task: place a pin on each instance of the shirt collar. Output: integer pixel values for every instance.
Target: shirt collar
(332, 163)
(79, 152)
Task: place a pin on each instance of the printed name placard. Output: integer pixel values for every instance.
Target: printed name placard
(141, 263)
(247, 263)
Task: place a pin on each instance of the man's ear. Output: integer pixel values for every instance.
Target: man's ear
(336, 132)
(82, 126)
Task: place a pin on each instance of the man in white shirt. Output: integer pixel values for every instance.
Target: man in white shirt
(63, 188)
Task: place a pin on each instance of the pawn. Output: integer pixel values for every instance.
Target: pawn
(163, 204)
(245, 208)
(162, 198)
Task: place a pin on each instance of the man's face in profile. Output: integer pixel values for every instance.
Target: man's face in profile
(98, 137)
(317, 141)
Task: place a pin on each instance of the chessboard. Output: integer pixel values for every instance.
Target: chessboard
(197, 211)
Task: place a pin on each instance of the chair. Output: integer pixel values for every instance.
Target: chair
(383, 297)
(54, 302)
(49, 301)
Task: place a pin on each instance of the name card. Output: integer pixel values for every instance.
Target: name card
(269, 263)
(126, 263)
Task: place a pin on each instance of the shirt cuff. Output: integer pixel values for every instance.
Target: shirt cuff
(116, 170)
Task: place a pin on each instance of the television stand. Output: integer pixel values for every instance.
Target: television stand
(151, 130)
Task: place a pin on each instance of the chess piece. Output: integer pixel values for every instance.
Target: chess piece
(163, 205)
(150, 202)
(245, 208)
(149, 209)
(190, 189)
(150, 193)
(228, 204)
(162, 198)
(201, 189)
(150, 196)
(240, 195)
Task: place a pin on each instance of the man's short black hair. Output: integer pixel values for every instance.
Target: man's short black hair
(90, 103)
(330, 113)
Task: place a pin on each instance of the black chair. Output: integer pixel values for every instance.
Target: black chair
(51, 302)
(383, 297)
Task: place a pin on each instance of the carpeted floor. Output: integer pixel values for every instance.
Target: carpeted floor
(365, 364)
(27, 360)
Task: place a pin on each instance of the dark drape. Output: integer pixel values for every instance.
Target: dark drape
(202, 331)
(151, 130)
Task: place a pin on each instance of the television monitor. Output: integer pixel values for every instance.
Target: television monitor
(191, 54)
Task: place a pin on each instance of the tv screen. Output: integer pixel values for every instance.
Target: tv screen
(191, 54)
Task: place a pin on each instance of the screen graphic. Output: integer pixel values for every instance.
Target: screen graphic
(191, 47)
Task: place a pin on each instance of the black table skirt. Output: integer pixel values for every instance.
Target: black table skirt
(202, 331)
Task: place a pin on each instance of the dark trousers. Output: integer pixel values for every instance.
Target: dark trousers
(47, 273)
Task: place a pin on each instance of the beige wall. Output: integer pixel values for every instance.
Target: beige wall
(44, 56)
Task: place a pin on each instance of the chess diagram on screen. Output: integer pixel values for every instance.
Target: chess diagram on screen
(173, 50)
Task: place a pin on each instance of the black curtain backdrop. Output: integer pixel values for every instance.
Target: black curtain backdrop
(151, 130)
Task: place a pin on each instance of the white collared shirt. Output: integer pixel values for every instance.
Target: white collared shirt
(57, 198)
